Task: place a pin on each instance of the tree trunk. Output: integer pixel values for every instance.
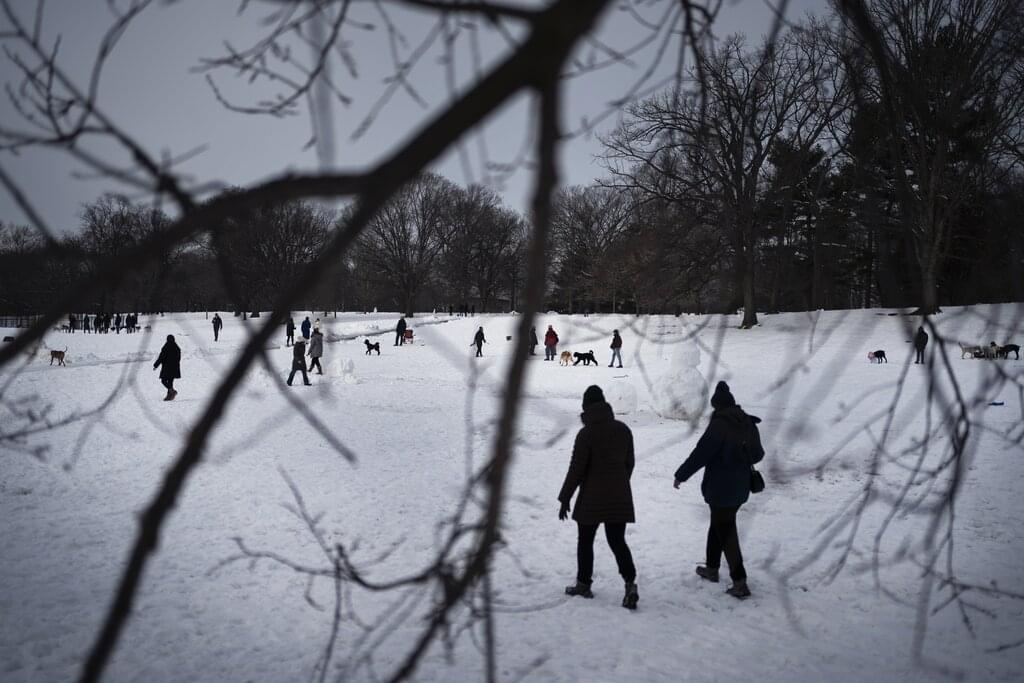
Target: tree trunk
(749, 301)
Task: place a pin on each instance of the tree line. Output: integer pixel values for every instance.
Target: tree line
(799, 173)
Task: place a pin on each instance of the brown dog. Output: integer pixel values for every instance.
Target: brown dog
(565, 358)
(58, 356)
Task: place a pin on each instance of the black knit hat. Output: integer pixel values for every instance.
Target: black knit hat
(722, 398)
(592, 395)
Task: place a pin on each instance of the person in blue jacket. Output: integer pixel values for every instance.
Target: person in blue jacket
(726, 451)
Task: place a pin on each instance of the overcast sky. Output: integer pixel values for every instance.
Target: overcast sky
(151, 88)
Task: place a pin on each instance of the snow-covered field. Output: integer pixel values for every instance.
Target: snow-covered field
(69, 499)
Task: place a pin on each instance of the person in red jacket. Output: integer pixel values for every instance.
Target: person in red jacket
(550, 342)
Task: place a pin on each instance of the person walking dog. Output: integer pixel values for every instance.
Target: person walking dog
(601, 466)
(727, 452)
(616, 348)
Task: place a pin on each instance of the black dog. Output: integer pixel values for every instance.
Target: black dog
(877, 356)
(587, 358)
(1004, 351)
(371, 347)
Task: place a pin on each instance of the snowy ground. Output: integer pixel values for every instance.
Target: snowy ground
(69, 499)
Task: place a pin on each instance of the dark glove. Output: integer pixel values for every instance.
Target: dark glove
(563, 512)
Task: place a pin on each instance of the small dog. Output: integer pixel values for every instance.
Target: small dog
(371, 347)
(877, 356)
(587, 358)
(565, 358)
(58, 356)
(970, 349)
(1004, 351)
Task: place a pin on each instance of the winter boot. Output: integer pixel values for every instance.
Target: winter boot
(174, 394)
(169, 395)
(739, 589)
(708, 573)
(631, 597)
(579, 588)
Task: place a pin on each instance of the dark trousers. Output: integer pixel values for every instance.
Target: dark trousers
(289, 339)
(298, 367)
(216, 333)
(616, 535)
(399, 338)
(533, 349)
(168, 383)
(920, 356)
(479, 349)
(315, 363)
(723, 538)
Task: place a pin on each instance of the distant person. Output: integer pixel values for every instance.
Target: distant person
(920, 341)
(306, 325)
(217, 324)
(616, 348)
(289, 332)
(169, 362)
(601, 467)
(299, 362)
(117, 323)
(479, 341)
(451, 310)
(316, 325)
(550, 343)
(85, 324)
(316, 349)
(400, 332)
(727, 450)
(72, 321)
(533, 341)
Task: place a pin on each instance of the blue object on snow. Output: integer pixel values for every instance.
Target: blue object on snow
(996, 403)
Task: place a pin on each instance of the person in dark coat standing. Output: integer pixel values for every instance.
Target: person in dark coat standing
(289, 332)
(727, 450)
(479, 341)
(316, 349)
(169, 362)
(533, 341)
(217, 324)
(616, 348)
(601, 466)
(299, 362)
(550, 343)
(920, 341)
(305, 328)
(400, 332)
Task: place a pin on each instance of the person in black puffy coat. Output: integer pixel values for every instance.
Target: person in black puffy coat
(727, 450)
(169, 362)
(601, 466)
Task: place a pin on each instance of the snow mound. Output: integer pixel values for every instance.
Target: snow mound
(621, 395)
(343, 369)
(682, 393)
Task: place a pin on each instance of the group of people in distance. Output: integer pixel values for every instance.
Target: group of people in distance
(551, 345)
(312, 335)
(602, 465)
(103, 323)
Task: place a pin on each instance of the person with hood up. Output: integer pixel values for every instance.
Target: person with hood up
(601, 466)
(727, 451)
(479, 341)
(299, 362)
(316, 350)
(305, 328)
(920, 341)
(550, 343)
(169, 362)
